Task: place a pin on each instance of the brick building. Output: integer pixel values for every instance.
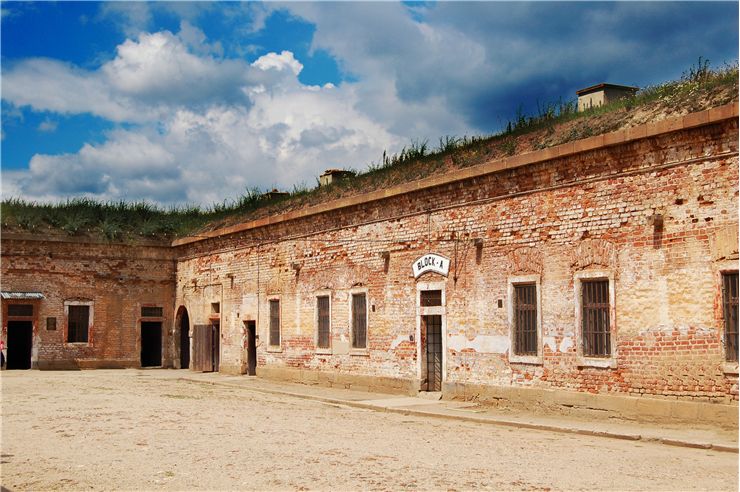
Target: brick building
(588, 272)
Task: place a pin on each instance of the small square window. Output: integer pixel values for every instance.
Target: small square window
(215, 307)
(430, 298)
(51, 324)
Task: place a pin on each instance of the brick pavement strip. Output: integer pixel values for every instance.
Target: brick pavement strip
(150, 430)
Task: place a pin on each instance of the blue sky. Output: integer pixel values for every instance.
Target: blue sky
(189, 102)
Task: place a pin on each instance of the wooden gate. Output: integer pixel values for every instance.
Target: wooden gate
(206, 347)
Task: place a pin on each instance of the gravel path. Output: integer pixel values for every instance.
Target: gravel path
(137, 430)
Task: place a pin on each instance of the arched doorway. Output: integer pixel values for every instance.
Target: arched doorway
(182, 340)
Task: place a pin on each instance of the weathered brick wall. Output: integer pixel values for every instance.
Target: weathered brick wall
(590, 211)
(118, 279)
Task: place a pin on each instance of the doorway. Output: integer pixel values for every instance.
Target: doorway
(432, 336)
(216, 345)
(184, 340)
(151, 344)
(20, 342)
(251, 327)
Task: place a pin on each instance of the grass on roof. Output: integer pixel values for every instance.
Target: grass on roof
(123, 221)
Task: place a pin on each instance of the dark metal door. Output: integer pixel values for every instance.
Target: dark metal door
(433, 329)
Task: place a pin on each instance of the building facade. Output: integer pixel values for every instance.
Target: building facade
(605, 266)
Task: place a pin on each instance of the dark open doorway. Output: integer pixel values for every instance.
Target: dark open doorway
(216, 344)
(251, 328)
(151, 343)
(20, 342)
(184, 339)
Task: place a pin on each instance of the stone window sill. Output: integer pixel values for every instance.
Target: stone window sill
(730, 368)
(605, 363)
(525, 359)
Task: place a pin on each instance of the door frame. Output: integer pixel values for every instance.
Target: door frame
(34, 325)
(250, 347)
(430, 310)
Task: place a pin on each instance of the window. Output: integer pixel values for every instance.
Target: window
(429, 298)
(215, 308)
(51, 323)
(525, 319)
(151, 312)
(730, 309)
(359, 321)
(20, 310)
(78, 321)
(275, 322)
(324, 322)
(595, 324)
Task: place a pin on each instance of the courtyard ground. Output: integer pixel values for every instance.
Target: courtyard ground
(152, 429)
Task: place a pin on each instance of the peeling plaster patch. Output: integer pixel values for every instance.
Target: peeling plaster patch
(566, 344)
(550, 342)
(398, 341)
(484, 344)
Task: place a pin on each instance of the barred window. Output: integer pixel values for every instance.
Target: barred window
(431, 298)
(322, 304)
(151, 312)
(359, 321)
(275, 322)
(78, 320)
(595, 324)
(20, 310)
(730, 309)
(525, 319)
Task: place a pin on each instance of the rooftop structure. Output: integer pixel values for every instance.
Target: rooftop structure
(600, 94)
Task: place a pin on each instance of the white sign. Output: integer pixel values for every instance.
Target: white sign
(431, 263)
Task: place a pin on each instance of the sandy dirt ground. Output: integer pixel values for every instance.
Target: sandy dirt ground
(139, 430)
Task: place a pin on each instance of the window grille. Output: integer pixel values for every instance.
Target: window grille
(730, 308)
(359, 321)
(275, 322)
(525, 319)
(78, 319)
(20, 310)
(595, 318)
(151, 312)
(431, 298)
(324, 322)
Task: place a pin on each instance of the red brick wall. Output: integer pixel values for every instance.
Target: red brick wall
(592, 211)
(118, 279)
